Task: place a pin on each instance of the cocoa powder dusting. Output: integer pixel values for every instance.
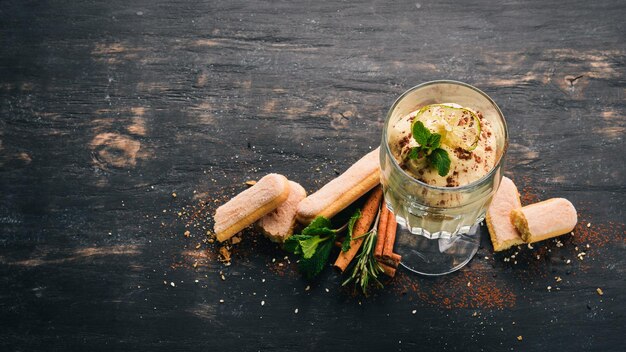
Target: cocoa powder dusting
(599, 235)
(451, 181)
(466, 289)
(462, 154)
(528, 194)
(404, 141)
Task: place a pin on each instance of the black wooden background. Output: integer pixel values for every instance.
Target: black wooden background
(109, 107)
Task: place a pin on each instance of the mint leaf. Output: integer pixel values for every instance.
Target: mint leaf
(292, 244)
(440, 159)
(319, 226)
(313, 246)
(309, 246)
(311, 267)
(420, 133)
(414, 153)
(434, 141)
(319, 222)
(345, 246)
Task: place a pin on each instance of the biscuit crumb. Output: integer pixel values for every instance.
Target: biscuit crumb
(599, 290)
(520, 338)
(225, 254)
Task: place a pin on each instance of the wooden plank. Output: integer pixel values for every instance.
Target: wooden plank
(107, 109)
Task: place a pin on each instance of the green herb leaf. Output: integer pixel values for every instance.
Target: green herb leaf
(319, 226)
(311, 267)
(292, 244)
(440, 159)
(434, 141)
(366, 269)
(414, 153)
(318, 222)
(420, 133)
(345, 246)
(313, 246)
(310, 245)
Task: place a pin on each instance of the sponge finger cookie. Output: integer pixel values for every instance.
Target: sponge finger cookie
(250, 205)
(543, 220)
(337, 194)
(278, 225)
(503, 234)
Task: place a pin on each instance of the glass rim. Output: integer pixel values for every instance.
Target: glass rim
(441, 188)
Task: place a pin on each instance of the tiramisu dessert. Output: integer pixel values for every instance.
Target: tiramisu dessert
(444, 145)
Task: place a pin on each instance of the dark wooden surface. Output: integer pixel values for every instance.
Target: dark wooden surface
(107, 108)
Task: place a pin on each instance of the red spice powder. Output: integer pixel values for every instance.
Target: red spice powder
(598, 235)
(466, 289)
(528, 193)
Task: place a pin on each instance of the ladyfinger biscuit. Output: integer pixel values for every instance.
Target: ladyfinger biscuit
(278, 225)
(250, 205)
(337, 194)
(502, 232)
(543, 220)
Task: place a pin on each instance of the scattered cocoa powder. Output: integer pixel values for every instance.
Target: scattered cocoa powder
(453, 291)
(599, 235)
(462, 154)
(528, 193)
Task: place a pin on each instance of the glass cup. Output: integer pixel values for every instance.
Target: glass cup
(436, 239)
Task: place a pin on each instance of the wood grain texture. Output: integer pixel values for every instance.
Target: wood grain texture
(108, 108)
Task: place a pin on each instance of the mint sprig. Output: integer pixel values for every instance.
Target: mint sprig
(314, 244)
(429, 147)
(441, 160)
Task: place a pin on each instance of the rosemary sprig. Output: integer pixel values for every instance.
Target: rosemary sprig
(366, 269)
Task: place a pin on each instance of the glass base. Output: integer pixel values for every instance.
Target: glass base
(435, 257)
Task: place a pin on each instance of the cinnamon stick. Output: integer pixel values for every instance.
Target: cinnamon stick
(382, 231)
(386, 240)
(390, 238)
(393, 259)
(362, 225)
(388, 269)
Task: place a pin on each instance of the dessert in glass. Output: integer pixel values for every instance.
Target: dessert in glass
(439, 189)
